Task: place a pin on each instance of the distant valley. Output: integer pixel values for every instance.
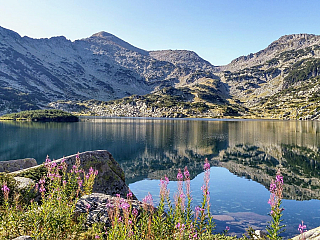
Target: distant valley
(106, 76)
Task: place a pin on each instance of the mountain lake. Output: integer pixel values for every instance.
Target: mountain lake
(244, 157)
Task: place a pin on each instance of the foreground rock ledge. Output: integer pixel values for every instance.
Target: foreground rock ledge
(313, 234)
(16, 165)
(110, 179)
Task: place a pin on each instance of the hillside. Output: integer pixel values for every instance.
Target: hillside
(34, 72)
(104, 75)
(280, 81)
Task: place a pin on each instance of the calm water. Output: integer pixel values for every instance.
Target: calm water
(244, 156)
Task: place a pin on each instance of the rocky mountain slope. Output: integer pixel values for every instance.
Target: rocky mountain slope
(280, 81)
(34, 72)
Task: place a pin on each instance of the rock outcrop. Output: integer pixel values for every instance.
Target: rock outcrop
(23, 182)
(110, 179)
(15, 165)
(313, 234)
(99, 205)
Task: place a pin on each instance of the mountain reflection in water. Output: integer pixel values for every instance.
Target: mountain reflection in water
(152, 148)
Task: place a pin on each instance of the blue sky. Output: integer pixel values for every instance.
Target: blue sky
(218, 31)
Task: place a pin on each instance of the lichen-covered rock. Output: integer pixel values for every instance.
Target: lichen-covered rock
(15, 165)
(23, 182)
(98, 206)
(110, 179)
(313, 234)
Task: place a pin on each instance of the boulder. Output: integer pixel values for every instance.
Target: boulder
(313, 234)
(15, 165)
(99, 205)
(23, 182)
(110, 179)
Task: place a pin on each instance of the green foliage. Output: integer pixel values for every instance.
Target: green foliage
(200, 106)
(34, 173)
(303, 70)
(11, 183)
(275, 227)
(47, 115)
(231, 111)
(51, 217)
(17, 100)
(175, 223)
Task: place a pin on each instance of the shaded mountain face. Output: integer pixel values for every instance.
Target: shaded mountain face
(101, 67)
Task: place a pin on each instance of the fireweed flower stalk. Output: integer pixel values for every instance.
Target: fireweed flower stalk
(179, 198)
(302, 228)
(53, 216)
(206, 223)
(160, 224)
(188, 193)
(5, 191)
(275, 228)
(89, 180)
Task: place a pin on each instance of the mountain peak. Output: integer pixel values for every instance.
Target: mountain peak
(295, 41)
(103, 34)
(109, 38)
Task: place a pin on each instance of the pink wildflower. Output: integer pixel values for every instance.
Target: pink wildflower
(125, 205)
(42, 181)
(80, 183)
(135, 212)
(42, 189)
(186, 173)
(302, 228)
(129, 194)
(179, 176)
(148, 199)
(206, 165)
(273, 186)
(5, 190)
(164, 192)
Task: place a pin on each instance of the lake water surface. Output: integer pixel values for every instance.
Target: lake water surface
(244, 156)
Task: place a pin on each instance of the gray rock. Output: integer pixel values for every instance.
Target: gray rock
(110, 179)
(15, 165)
(99, 206)
(23, 238)
(259, 234)
(23, 182)
(313, 234)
